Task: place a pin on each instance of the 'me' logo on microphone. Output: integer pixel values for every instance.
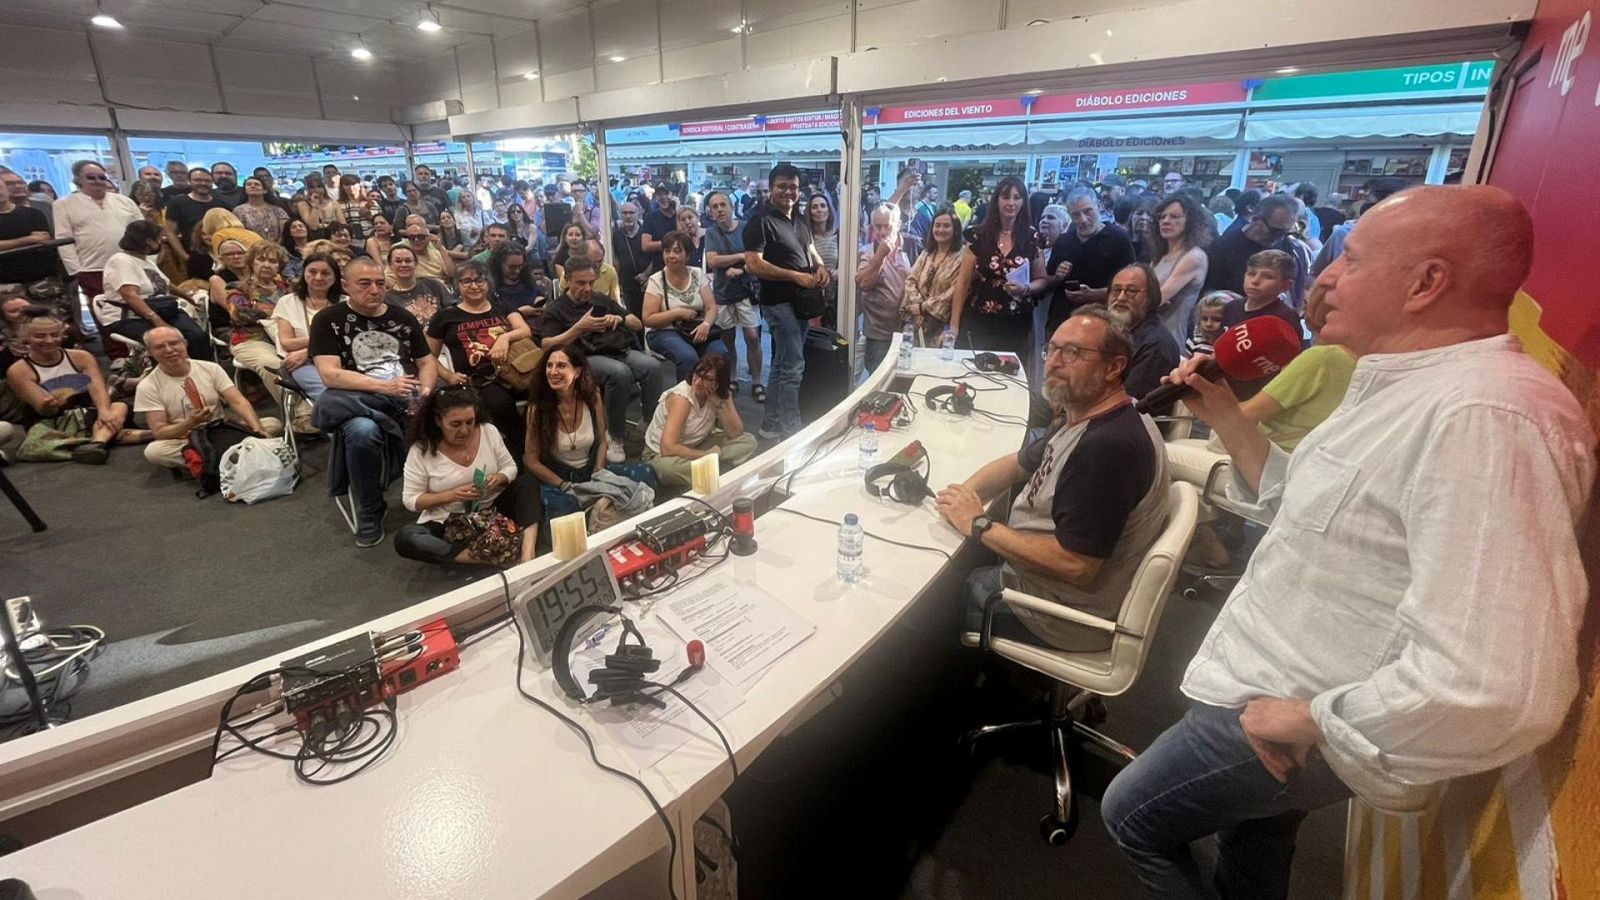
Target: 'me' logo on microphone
(1244, 345)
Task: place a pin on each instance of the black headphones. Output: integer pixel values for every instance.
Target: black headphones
(897, 482)
(991, 362)
(622, 679)
(960, 401)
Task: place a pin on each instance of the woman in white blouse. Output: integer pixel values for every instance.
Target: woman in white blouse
(458, 474)
(317, 289)
(679, 308)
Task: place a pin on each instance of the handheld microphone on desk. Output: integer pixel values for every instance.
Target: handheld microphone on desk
(1251, 350)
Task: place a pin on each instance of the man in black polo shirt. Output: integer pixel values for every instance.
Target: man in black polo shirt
(778, 250)
(657, 222)
(1089, 253)
(1091, 496)
(1267, 229)
(606, 332)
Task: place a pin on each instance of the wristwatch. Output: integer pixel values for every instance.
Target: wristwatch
(979, 526)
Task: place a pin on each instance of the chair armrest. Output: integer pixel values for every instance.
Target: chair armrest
(1046, 608)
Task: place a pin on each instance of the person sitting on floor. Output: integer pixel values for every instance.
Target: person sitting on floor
(182, 394)
(695, 418)
(565, 444)
(474, 507)
(65, 390)
(605, 331)
(1093, 494)
(375, 362)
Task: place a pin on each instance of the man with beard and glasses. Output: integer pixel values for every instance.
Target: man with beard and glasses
(1134, 292)
(225, 184)
(1090, 498)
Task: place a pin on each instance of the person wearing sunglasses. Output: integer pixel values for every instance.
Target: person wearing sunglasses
(1268, 228)
(95, 217)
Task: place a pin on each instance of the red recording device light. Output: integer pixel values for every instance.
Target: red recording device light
(744, 517)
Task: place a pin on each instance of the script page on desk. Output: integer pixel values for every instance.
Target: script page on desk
(650, 733)
(745, 629)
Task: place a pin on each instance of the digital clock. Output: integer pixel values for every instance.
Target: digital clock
(542, 607)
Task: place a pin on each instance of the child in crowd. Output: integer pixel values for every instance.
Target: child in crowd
(1267, 276)
(1208, 322)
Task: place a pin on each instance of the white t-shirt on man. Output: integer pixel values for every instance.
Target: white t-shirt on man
(160, 392)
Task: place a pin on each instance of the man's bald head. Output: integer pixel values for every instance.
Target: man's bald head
(160, 334)
(1457, 224)
(1426, 268)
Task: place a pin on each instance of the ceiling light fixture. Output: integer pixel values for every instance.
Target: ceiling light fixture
(1034, 92)
(355, 96)
(361, 52)
(529, 76)
(429, 21)
(1288, 70)
(616, 59)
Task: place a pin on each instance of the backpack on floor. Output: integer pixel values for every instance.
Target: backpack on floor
(202, 455)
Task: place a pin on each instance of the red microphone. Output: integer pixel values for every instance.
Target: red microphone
(1249, 351)
(697, 655)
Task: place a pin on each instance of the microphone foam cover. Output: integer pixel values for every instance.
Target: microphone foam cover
(1257, 348)
(697, 654)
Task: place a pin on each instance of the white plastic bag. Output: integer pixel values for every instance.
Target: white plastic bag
(257, 469)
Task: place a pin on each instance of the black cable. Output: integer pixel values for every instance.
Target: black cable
(727, 523)
(594, 756)
(733, 762)
(869, 534)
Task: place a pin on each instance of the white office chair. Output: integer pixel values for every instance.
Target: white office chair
(1080, 678)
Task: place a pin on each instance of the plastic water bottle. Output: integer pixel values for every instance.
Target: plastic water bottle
(907, 339)
(869, 445)
(850, 541)
(947, 345)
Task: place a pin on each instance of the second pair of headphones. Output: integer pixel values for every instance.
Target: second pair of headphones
(897, 482)
(960, 399)
(625, 675)
(992, 362)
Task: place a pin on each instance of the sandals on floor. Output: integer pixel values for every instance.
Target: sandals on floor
(759, 392)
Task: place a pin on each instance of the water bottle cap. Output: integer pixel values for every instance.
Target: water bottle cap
(850, 519)
(870, 426)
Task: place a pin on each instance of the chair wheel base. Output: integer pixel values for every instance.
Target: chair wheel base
(1055, 832)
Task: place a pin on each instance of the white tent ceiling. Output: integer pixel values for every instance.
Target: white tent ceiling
(303, 27)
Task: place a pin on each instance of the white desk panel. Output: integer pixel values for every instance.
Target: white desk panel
(486, 795)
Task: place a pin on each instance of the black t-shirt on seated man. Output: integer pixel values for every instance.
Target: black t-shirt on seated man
(1100, 487)
(563, 312)
(468, 336)
(384, 346)
(24, 266)
(782, 241)
(1094, 263)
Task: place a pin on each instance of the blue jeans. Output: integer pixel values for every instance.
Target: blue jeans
(363, 457)
(309, 380)
(1200, 777)
(788, 367)
(983, 581)
(685, 355)
(876, 351)
(616, 376)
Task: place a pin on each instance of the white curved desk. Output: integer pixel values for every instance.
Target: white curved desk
(483, 794)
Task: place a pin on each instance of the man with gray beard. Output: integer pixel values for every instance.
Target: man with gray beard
(1132, 299)
(1091, 494)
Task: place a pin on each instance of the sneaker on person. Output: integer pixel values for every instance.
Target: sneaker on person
(93, 453)
(369, 534)
(770, 434)
(614, 452)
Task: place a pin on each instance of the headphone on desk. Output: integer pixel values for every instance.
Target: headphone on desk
(898, 482)
(623, 678)
(991, 362)
(960, 401)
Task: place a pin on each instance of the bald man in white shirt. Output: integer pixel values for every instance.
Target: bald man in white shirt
(1412, 613)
